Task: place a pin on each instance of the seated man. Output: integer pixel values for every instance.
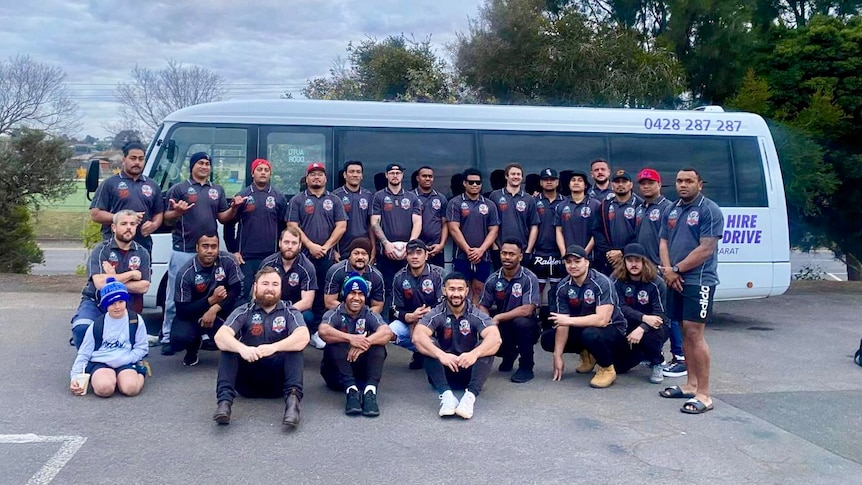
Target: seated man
(417, 289)
(461, 342)
(358, 255)
(356, 339)
(587, 320)
(119, 258)
(511, 297)
(112, 347)
(298, 279)
(261, 343)
(641, 293)
(207, 289)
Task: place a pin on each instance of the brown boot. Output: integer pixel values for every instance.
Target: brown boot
(605, 376)
(588, 362)
(291, 410)
(222, 414)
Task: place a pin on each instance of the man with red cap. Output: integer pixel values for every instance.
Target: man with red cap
(252, 235)
(319, 216)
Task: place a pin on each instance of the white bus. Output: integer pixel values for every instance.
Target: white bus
(733, 152)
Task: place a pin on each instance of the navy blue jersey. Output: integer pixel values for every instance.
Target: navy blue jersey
(433, 216)
(456, 334)
(259, 221)
(316, 216)
(396, 213)
(357, 208)
(253, 326)
(684, 226)
(502, 295)
(475, 218)
(517, 213)
(120, 192)
(546, 244)
(576, 220)
(135, 258)
(209, 200)
(616, 224)
(578, 301)
(340, 271)
(300, 277)
(364, 323)
(411, 292)
(639, 298)
(649, 220)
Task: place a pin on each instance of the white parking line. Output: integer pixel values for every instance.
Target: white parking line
(834, 277)
(52, 467)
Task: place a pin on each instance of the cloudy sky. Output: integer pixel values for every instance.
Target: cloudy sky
(261, 47)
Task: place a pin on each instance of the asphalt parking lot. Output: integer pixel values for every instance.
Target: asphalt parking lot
(786, 396)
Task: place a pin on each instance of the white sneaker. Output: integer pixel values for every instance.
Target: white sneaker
(316, 342)
(448, 403)
(465, 407)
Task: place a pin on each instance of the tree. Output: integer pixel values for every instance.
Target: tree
(32, 94)
(123, 137)
(31, 170)
(152, 95)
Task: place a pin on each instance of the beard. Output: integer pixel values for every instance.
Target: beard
(266, 298)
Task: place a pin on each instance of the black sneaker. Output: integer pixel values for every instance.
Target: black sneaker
(676, 368)
(167, 349)
(369, 404)
(522, 375)
(507, 364)
(208, 344)
(417, 361)
(353, 406)
(191, 358)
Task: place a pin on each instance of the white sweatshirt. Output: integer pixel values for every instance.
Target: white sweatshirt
(116, 350)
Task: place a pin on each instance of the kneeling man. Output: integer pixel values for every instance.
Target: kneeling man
(461, 342)
(261, 345)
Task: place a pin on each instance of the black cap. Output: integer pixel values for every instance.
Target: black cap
(634, 249)
(416, 244)
(549, 173)
(584, 176)
(622, 174)
(575, 250)
(395, 166)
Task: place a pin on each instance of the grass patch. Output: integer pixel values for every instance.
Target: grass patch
(60, 224)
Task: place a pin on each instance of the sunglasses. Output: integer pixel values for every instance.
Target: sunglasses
(473, 182)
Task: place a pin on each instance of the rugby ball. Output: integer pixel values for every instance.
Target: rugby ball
(400, 249)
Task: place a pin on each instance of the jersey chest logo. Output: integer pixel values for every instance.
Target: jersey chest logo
(213, 194)
(435, 204)
(521, 206)
(465, 209)
(573, 297)
(407, 288)
(256, 325)
(309, 206)
(405, 203)
(345, 201)
(360, 326)
(464, 327)
(586, 212)
(219, 274)
(654, 215)
(123, 189)
(503, 204)
(200, 283)
(146, 190)
(483, 209)
(517, 290)
(672, 217)
(278, 325)
(327, 205)
(250, 204)
(427, 287)
(612, 212)
(192, 195)
(629, 213)
(293, 279)
(387, 203)
(693, 218)
(134, 263)
(589, 297)
(270, 202)
(363, 203)
(643, 297)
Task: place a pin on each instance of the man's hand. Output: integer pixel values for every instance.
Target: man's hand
(434, 249)
(237, 201)
(450, 361)
(634, 338)
(466, 360)
(415, 315)
(653, 321)
(475, 255)
(354, 353)
(389, 250)
(140, 217)
(108, 268)
(614, 255)
(238, 257)
(672, 280)
(76, 388)
(218, 296)
(559, 367)
(182, 206)
(336, 257)
(148, 228)
(316, 250)
(249, 354)
(208, 319)
(557, 318)
(265, 350)
(360, 341)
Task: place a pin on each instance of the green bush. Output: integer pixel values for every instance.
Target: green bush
(18, 248)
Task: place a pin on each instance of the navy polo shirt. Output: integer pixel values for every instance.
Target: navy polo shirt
(576, 219)
(357, 208)
(196, 282)
(578, 301)
(639, 298)
(456, 334)
(120, 192)
(364, 323)
(649, 219)
(135, 258)
(601, 194)
(412, 292)
(316, 216)
(506, 295)
(433, 214)
(474, 217)
(338, 273)
(259, 219)
(546, 244)
(300, 277)
(684, 226)
(253, 326)
(616, 225)
(396, 213)
(517, 213)
(209, 200)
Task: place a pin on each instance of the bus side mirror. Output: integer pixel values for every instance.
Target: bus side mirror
(170, 150)
(92, 180)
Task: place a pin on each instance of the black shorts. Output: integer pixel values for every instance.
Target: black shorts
(479, 272)
(694, 304)
(547, 268)
(94, 366)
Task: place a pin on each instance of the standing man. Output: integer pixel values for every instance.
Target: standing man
(474, 226)
(298, 277)
(194, 207)
(435, 231)
(546, 263)
(395, 217)
(519, 219)
(131, 190)
(207, 290)
(356, 341)
(689, 257)
(356, 262)
(615, 224)
(319, 217)
(587, 320)
(357, 206)
(261, 344)
(460, 342)
(573, 218)
(261, 215)
(511, 298)
(601, 173)
(120, 258)
(418, 289)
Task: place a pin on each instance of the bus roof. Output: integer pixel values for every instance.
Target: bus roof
(458, 116)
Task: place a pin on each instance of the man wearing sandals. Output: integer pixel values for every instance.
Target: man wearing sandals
(689, 258)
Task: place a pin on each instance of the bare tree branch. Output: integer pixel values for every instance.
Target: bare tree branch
(32, 94)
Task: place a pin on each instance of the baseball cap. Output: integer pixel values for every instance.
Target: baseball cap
(622, 174)
(416, 244)
(395, 166)
(649, 174)
(314, 166)
(634, 249)
(549, 173)
(258, 162)
(575, 250)
(112, 292)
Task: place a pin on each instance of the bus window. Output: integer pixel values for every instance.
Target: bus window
(227, 147)
(711, 157)
(538, 151)
(750, 182)
(446, 152)
(290, 151)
